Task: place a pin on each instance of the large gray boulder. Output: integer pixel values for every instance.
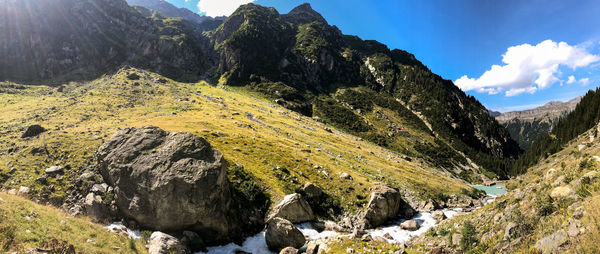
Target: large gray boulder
(293, 208)
(168, 181)
(281, 233)
(385, 204)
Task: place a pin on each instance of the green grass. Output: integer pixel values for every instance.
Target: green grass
(25, 224)
(265, 136)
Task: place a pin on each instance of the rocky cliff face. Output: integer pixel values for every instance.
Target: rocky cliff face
(528, 125)
(72, 39)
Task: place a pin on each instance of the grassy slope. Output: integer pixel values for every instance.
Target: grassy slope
(267, 136)
(528, 197)
(25, 224)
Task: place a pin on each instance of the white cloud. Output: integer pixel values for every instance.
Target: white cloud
(528, 68)
(573, 80)
(215, 8)
(584, 81)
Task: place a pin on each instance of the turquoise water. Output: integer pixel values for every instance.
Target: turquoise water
(491, 190)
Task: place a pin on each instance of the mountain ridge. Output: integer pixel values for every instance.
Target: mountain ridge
(551, 109)
(528, 125)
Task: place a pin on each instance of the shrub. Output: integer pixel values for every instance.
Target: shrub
(469, 235)
(544, 204)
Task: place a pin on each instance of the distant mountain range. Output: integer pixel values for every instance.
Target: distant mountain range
(528, 125)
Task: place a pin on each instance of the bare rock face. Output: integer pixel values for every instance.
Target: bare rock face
(293, 208)
(385, 204)
(281, 233)
(168, 181)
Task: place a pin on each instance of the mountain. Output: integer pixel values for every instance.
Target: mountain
(585, 116)
(64, 40)
(528, 125)
(296, 59)
(203, 23)
(309, 66)
(109, 109)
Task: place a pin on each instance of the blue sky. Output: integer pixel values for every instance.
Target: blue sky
(551, 41)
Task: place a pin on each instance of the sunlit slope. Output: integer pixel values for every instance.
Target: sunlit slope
(25, 224)
(266, 139)
(553, 207)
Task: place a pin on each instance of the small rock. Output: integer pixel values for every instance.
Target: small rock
(33, 131)
(235, 114)
(161, 243)
(366, 238)
(456, 238)
(573, 230)
(293, 208)
(12, 192)
(550, 244)
(54, 170)
(388, 236)
(346, 176)
(289, 250)
(410, 225)
(95, 208)
(438, 215)
(311, 190)
(561, 192)
(281, 233)
(86, 176)
(23, 190)
(99, 188)
(349, 250)
(312, 248)
(510, 230)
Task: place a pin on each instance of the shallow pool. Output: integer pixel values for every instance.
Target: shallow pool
(492, 190)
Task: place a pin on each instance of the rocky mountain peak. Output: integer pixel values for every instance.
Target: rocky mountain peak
(304, 13)
(551, 109)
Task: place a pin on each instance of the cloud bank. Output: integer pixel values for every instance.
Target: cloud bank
(215, 8)
(528, 68)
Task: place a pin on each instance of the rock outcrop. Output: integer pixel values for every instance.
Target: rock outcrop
(385, 204)
(281, 233)
(293, 208)
(168, 181)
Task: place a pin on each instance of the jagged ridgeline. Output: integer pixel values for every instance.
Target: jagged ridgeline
(297, 60)
(585, 116)
(361, 86)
